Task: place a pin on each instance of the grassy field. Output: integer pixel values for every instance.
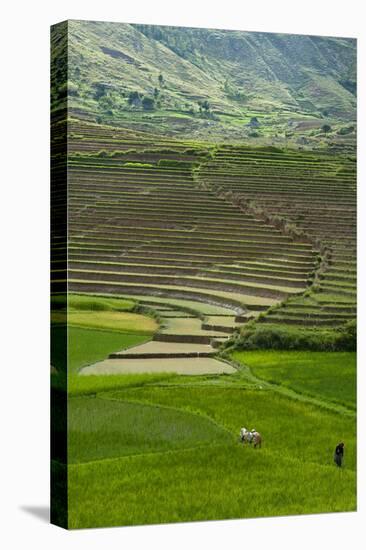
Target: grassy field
(87, 346)
(102, 428)
(113, 320)
(93, 303)
(97, 326)
(331, 376)
(171, 440)
(203, 484)
(293, 472)
(92, 385)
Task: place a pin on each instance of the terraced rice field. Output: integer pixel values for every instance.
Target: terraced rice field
(218, 234)
(203, 238)
(209, 236)
(146, 220)
(311, 194)
(184, 365)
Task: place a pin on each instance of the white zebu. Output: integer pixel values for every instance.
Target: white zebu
(252, 436)
(246, 436)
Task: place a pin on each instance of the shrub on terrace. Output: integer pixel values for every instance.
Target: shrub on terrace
(72, 89)
(197, 152)
(255, 336)
(163, 150)
(270, 149)
(315, 288)
(254, 122)
(171, 163)
(117, 154)
(204, 105)
(148, 103)
(293, 231)
(326, 128)
(347, 338)
(138, 165)
(134, 98)
(277, 221)
(100, 90)
(346, 130)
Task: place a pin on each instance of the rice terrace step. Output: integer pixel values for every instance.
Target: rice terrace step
(158, 349)
(183, 366)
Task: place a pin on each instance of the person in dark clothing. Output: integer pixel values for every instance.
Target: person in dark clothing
(338, 454)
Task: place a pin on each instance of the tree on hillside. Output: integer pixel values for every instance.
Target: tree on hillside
(100, 90)
(326, 128)
(346, 130)
(233, 92)
(254, 122)
(204, 106)
(161, 80)
(148, 103)
(134, 99)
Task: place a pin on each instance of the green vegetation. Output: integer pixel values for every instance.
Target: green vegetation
(92, 303)
(87, 346)
(257, 336)
(174, 433)
(234, 407)
(177, 432)
(101, 428)
(168, 163)
(128, 323)
(148, 103)
(331, 376)
(326, 128)
(138, 165)
(91, 385)
(205, 484)
(97, 326)
(345, 130)
(293, 472)
(181, 80)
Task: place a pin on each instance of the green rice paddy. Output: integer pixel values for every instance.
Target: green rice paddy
(104, 427)
(293, 472)
(88, 346)
(331, 376)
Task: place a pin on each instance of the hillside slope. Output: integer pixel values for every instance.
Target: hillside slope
(210, 83)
